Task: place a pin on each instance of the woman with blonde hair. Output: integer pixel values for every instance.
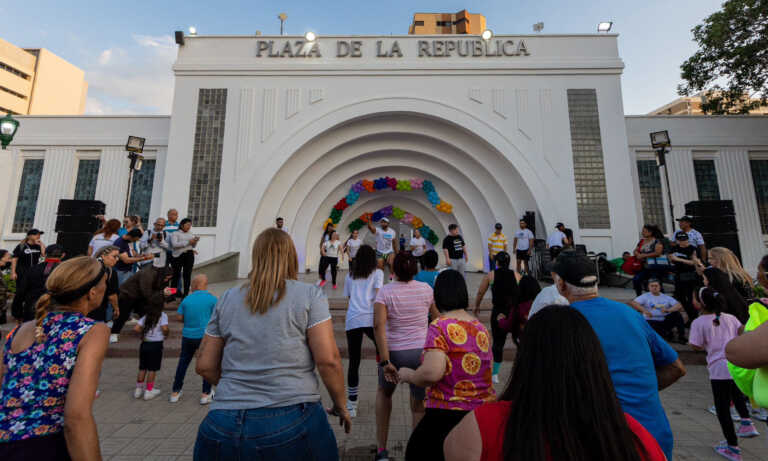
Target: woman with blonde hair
(261, 347)
(51, 368)
(725, 260)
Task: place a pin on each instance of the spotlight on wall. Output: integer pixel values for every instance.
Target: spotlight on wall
(310, 36)
(538, 27)
(487, 34)
(604, 26)
(192, 30)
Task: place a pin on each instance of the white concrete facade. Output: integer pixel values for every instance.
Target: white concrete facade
(491, 132)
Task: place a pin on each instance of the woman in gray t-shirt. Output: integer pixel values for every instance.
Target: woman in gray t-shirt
(260, 349)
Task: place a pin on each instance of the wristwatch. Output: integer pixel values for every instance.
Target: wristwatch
(383, 363)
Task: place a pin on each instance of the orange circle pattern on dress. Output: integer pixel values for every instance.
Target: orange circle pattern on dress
(457, 334)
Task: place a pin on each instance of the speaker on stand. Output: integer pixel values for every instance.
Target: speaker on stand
(716, 220)
(76, 222)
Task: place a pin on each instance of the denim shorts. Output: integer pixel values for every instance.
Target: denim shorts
(296, 432)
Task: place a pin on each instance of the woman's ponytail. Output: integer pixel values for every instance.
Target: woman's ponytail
(44, 305)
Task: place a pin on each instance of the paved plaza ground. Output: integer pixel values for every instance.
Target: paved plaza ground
(158, 430)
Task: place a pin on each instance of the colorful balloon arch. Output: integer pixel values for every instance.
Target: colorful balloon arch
(402, 185)
(396, 213)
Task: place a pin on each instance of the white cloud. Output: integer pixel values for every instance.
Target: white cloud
(136, 78)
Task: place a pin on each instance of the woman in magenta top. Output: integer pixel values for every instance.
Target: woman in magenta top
(559, 404)
(456, 368)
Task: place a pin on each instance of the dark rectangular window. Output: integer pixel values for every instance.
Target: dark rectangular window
(418, 23)
(588, 167)
(651, 197)
(760, 181)
(87, 177)
(706, 179)
(444, 24)
(29, 188)
(207, 157)
(141, 191)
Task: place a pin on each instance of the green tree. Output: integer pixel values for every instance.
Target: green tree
(731, 66)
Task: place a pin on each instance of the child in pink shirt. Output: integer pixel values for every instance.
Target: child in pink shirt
(711, 331)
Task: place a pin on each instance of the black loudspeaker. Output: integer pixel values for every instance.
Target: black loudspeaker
(728, 240)
(715, 225)
(74, 243)
(81, 207)
(67, 223)
(713, 208)
(530, 220)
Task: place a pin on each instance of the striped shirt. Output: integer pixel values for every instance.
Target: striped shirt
(407, 311)
(497, 242)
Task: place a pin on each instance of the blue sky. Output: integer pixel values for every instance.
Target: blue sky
(126, 48)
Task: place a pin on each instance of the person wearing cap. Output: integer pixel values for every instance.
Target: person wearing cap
(548, 296)
(556, 241)
(27, 254)
(523, 244)
(683, 257)
(497, 242)
(641, 363)
(386, 244)
(694, 237)
(32, 286)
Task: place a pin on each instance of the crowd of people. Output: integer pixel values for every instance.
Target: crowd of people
(262, 345)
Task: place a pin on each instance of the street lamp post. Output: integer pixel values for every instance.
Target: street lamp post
(660, 141)
(135, 147)
(8, 128)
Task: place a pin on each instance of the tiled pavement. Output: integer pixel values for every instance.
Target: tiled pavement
(158, 430)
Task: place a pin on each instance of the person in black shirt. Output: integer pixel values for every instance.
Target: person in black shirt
(686, 279)
(27, 254)
(126, 256)
(108, 256)
(32, 285)
(455, 249)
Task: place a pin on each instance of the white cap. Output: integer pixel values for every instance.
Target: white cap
(384, 220)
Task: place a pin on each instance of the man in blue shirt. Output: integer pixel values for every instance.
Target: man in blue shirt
(195, 312)
(640, 361)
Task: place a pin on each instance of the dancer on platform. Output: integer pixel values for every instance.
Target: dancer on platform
(329, 256)
(505, 291)
(386, 244)
(361, 287)
(351, 246)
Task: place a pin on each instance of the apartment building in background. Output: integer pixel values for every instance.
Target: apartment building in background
(462, 22)
(38, 82)
(691, 105)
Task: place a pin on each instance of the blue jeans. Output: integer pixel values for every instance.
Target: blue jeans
(296, 432)
(188, 348)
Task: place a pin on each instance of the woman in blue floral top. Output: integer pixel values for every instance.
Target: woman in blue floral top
(51, 370)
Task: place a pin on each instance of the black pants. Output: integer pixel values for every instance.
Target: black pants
(554, 252)
(45, 448)
(725, 391)
(188, 348)
(182, 266)
(499, 335)
(325, 261)
(684, 294)
(672, 321)
(354, 349)
(426, 442)
(127, 306)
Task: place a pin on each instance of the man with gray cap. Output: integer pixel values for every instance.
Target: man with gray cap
(641, 363)
(386, 244)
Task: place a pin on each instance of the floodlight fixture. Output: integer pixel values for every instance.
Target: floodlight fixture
(538, 27)
(310, 36)
(604, 26)
(487, 34)
(192, 30)
(660, 139)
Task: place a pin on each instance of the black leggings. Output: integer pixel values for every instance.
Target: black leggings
(426, 442)
(325, 261)
(126, 307)
(725, 392)
(183, 266)
(684, 294)
(499, 335)
(355, 349)
(672, 321)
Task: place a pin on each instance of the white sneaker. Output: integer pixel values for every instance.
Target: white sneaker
(760, 414)
(352, 408)
(175, 398)
(113, 338)
(138, 392)
(149, 395)
(207, 399)
(496, 379)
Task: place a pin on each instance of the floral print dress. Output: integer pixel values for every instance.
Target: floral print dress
(36, 380)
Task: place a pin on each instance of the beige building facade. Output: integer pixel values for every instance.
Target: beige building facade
(462, 22)
(691, 105)
(38, 82)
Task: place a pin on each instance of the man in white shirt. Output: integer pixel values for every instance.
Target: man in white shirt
(662, 312)
(556, 241)
(694, 237)
(155, 242)
(523, 243)
(386, 244)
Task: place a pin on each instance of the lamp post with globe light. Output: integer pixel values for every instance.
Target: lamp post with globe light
(8, 128)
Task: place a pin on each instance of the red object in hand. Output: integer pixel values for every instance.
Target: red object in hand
(173, 290)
